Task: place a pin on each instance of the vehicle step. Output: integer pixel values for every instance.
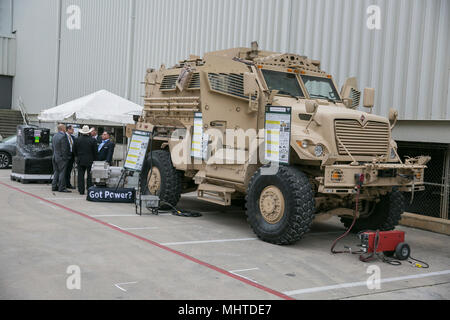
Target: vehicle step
(215, 194)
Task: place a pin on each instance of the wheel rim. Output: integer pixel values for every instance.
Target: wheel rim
(271, 204)
(405, 251)
(154, 181)
(4, 161)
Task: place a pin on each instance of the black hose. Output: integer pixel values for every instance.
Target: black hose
(184, 213)
(358, 191)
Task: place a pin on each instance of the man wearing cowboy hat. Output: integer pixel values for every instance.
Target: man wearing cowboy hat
(85, 149)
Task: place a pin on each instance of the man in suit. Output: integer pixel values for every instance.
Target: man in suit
(106, 148)
(71, 138)
(85, 149)
(96, 137)
(61, 151)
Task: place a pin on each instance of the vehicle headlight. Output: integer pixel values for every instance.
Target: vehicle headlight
(318, 150)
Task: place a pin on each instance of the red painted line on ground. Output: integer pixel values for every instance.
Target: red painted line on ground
(156, 244)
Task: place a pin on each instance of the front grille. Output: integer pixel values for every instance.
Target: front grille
(370, 140)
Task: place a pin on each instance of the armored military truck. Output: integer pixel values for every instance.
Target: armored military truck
(273, 130)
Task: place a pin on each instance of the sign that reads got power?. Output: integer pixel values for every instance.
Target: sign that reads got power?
(119, 195)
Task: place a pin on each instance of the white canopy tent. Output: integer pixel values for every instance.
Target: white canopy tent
(99, 108)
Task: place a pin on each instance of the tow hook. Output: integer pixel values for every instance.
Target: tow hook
(409, 177)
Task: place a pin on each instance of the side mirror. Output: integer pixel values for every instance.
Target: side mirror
(393, 117)
(251, 91)
(311, 106)
(369, 98)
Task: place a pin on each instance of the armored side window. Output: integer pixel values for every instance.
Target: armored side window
(194, 84)
(169, 83)
(228, 83)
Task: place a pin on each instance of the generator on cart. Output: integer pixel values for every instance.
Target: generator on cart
(104, 175)
(33, 159)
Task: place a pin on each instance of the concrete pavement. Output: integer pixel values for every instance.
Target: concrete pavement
(217, 256)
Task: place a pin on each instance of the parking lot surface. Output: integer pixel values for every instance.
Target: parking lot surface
(121, 255)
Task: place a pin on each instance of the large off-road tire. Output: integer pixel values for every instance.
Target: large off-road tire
(280, 208)
(165, 181)
(5, 160)
(386, 215)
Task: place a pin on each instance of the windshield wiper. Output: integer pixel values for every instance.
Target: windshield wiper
(321, 96)
(288, 94)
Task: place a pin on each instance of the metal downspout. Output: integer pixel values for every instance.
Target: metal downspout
(11, 8)
(131, 31)
(58, 52)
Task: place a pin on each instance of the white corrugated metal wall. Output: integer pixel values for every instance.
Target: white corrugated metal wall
(5, 17)
(407, 61)
(36, 39)
(7, 56)
(94, 57)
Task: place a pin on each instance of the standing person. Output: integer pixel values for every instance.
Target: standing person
(71, 138)
(106, 148)
(61, 150)
(95, 135)
(85, 149)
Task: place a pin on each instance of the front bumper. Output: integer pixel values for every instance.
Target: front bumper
(342, 179)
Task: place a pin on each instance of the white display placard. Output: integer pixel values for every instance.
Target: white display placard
(197, 137)
(277, 134)
(137, 150)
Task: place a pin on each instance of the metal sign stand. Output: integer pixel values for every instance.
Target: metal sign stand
(134, 162)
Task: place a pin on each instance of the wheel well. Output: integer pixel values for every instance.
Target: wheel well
(7, 153)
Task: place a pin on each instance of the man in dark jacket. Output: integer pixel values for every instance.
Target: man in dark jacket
(71, 138)
(95, 136)
(85, 149)
(106, 149)
(61, 152)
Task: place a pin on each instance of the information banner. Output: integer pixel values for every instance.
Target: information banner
(137, 150)
(197, 137)
(277, 134)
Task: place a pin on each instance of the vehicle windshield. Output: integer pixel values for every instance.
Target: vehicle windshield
(9, 140)
(322, 88)
(285, 83)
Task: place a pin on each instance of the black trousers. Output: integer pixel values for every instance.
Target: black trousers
(59, 175)
(69, 171)
(81, 171)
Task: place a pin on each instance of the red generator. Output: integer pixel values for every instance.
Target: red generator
(391, 243)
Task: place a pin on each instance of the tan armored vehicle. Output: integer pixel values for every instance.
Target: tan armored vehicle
(273, 129)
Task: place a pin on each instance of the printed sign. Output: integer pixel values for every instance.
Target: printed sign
(197, 146)
(121, 195)
(278, 134)
(137, 150)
